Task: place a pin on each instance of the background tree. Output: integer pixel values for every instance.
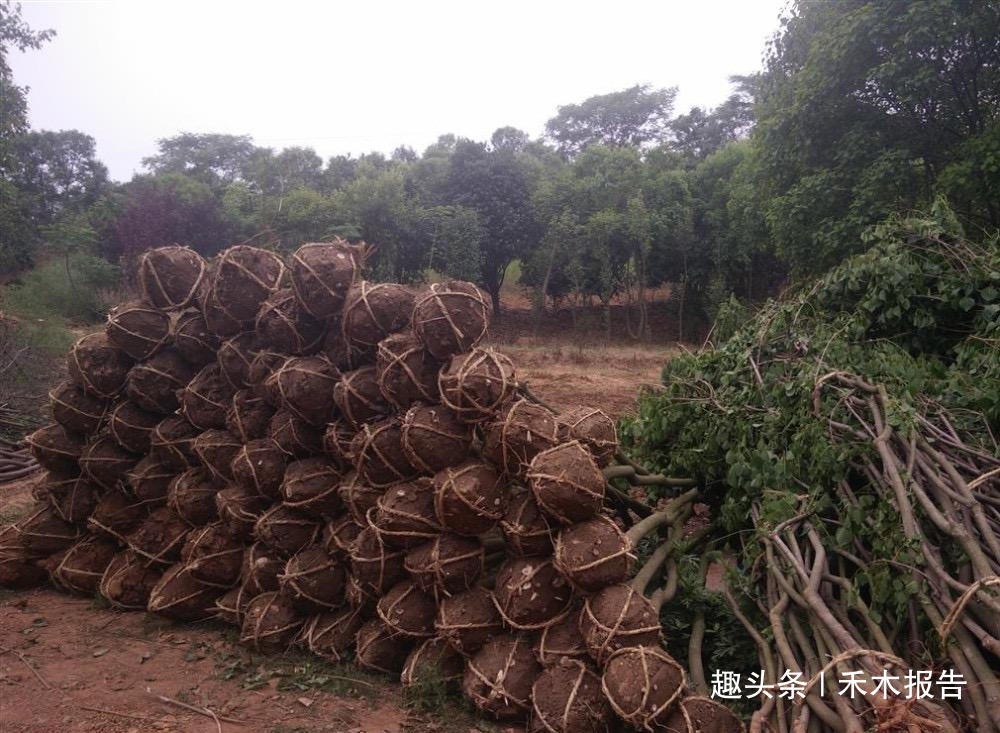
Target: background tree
(214, 159)
(636, 116)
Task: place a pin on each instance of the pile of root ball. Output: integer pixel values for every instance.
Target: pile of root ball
(336, 464)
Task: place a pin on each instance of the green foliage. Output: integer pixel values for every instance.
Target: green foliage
(918, 312)
(67, 288)
(632, 117)
(863, 104)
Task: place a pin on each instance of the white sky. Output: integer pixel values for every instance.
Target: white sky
(350, 77)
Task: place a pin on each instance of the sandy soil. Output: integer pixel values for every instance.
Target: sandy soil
(70, 664)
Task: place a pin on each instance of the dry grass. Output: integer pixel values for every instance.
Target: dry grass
(608, 377)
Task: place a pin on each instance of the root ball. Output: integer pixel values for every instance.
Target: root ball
(477, 384)
(499, 678)
(434, 438)
(406, 372)
(642, 684)
(469, 498)
(97, 366)
(138, 329)
(520, 432)
(531, 594)
(155, 383)
(567, 483)
(323, 272)
(77, 411)
(170, 277)
(451, 317)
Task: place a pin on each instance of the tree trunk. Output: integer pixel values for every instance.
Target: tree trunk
(540, 303)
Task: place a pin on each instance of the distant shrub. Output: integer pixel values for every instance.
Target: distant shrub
(74, 288)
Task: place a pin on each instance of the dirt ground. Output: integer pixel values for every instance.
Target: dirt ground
(71, 664)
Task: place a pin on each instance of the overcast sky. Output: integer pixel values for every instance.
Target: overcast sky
(353, 77)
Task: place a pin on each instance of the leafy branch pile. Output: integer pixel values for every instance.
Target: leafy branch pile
(848, 438)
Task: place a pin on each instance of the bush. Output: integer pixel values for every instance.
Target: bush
(75, 288)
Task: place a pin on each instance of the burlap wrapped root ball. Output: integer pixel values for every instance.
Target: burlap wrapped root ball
(231, 606)
(214, 555)
(179, 596)
(468, 620)
(372, 311)
(236, 357)
(77, 411)
(294, 436)
(117, 515)
(248, 416)
(128, 580)
(72, 497)
(259, 467)
(282, 325)
(451, 317)
(149, 482)
(263, 364)
(337, 443)
(206, 398)
(261, 568)
(526, 529)
(434, 438)
(323, 272)
(172, 442)
(138, 329)
(567, 483)
(521, 431)
(642, 684)
(380, 649)
(407, 610)
(97, 366)
(81, 566)
(378, 454)
(406, 371)
(594, 554)
(358, 497)
(701, 713)
(617, 617)
(160, 537)
(499, 678)
(446, 565)
(331, 635)
(305, 387)
(432, 662)
(358, 397)
(286, 530)
(42, 532)
(337, 351)
(477, 384)
(105, 462)
(531, 594)
(311, 485)
(469, 499)
(339, 535)
(375, 566)
(55, 449)
(171, 277)
(216, 450)
(567, 698)
(241, 278)
(193, 340)
(239, 509)
(270, 624)
(313, 580)
(132, 427)
(562, 640)
(593, 428)
(154, 384)
(18, 571)
(405, 515)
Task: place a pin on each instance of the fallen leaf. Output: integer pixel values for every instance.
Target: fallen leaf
(305, 702)
(101, 652)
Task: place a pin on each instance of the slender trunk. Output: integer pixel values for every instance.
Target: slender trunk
(540, 304)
